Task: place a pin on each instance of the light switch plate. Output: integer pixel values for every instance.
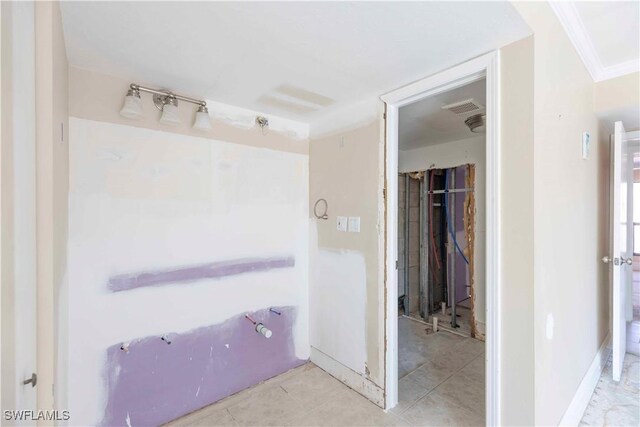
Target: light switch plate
(342, 223)
(354, 224)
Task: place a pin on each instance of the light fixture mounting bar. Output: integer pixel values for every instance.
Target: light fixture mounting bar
(168, 94)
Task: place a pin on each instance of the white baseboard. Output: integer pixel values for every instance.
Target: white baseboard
(580, 401)
(351, 378)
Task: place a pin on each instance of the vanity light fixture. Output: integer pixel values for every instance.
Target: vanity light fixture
(167, 102)
(202, 120)
(132, 108)
(170, 112)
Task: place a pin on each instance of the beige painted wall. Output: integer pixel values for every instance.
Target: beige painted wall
(98, 96)
(516, 224)
(344, 169)
(571, 312)
(52, 177)
(619, 99)
(617, 93)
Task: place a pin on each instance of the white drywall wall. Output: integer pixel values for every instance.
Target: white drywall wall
(336, 319)
(143, 199)
(449, 155)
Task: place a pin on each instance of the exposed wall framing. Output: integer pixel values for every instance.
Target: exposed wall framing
(421, 219)
(470, 228)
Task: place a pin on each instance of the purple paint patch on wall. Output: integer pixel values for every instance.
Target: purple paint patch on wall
(212, 270)
(155, 382)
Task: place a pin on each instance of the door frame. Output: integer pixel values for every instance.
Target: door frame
(485, 66)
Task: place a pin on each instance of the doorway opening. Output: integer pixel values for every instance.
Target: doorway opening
(452, 242)
(441, 290)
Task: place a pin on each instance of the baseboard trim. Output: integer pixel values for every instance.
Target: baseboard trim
(348, 376)
(580, 401)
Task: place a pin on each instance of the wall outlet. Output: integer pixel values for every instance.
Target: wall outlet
(342, 223)
(354, 224)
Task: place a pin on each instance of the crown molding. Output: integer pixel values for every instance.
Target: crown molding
(620, 69)
(574, 27)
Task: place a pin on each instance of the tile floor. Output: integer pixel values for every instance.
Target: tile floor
(442, 377)
(442, 383)
(616, 403)
(305, 396)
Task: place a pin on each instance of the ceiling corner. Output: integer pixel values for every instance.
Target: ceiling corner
(572, 23)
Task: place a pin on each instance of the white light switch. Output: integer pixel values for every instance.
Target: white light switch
(354, 224)
(342, 223)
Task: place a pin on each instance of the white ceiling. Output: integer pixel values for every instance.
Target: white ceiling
(425, 122)
(298, 60)
(606, 34)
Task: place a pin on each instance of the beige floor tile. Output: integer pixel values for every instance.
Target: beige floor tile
(260, 387)
(458, 355)
(347, 408)
(223, 418)
(471, 345)
(475, 370)
(205, 417)
(434, 411)
(430, 375)
(416, 346)
(461, 391)
(409, 392)
(270, 407)
(312, 387)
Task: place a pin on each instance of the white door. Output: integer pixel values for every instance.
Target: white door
(18, 214)
(620, 256)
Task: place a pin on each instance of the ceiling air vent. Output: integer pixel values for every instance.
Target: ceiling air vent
(463, 108)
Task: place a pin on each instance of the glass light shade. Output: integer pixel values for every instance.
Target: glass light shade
(202, 120)
(170, 115)
(132, 108)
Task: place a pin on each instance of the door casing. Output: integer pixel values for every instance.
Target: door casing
(486, 66)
